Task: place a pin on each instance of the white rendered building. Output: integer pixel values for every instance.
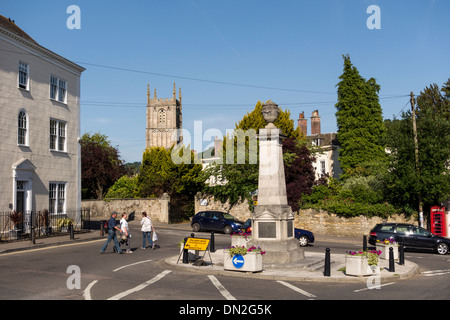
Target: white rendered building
(40, 161)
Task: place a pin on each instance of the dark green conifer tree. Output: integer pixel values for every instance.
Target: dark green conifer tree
(360, 124)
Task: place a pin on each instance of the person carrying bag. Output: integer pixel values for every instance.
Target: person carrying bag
(147, 228)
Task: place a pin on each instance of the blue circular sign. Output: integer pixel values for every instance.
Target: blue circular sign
(238, 261)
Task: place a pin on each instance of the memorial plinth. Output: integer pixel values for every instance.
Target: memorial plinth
(272, 219)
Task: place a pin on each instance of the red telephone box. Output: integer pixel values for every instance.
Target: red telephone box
(438, 221)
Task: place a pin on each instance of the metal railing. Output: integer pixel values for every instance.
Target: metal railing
(20, 225)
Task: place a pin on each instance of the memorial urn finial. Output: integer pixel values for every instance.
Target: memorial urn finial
(270, 111)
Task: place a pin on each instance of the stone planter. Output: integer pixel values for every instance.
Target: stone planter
(239, 241)
(250, 262)
(384, 248)
(358, 266)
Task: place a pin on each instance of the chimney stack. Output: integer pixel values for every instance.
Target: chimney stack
(315, 122)
(303, 123)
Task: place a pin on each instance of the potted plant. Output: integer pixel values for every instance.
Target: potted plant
(384, 246)
(362, 263)
(64, 223)
(16, 218)
(241, 258)
(239, 239)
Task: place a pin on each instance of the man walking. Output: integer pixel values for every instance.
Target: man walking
(112, 234)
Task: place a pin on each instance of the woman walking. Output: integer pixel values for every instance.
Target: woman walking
(147, 228)
(125, 232)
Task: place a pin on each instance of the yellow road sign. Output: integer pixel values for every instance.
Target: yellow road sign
(197, 244)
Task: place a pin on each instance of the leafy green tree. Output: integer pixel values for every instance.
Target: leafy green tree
(432, 180)
(360, 124)
(125, 187)
(101, 165)
(237, 179)
(159, 175)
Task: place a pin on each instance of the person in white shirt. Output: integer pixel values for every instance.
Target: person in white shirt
(147, 228)
(125, 232)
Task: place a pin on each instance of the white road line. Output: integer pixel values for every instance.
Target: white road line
(297, 289)
(49, 248)
(87, 291)
(221, 288)
(129, 265)
(141, 286)
(436, 272)
(374, 287)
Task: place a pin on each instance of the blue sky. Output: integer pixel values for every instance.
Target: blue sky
(227, 55)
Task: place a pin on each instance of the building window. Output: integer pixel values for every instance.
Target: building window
(56, 197)
(57, 135)
(23, 76)
(22, 132)
(316, 142)
(58, 89)
(162, 116)
(322, 167)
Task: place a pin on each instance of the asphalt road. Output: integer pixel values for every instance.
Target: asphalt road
(79, 272)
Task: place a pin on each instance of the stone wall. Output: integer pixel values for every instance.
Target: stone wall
(157, 208)
(318, 222)
(324, 223)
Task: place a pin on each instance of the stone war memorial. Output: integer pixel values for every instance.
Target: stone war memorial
(273, 219)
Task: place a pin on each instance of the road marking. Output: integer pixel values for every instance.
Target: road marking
(87, 291)
(303, 292)
(141, 286)
(374, 287)
(221, 288)
(436, 272)
(48, 248)
(129, 265)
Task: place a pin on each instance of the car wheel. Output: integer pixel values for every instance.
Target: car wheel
(228, 229)
(196, 227)
(442, 248)
(303, 241)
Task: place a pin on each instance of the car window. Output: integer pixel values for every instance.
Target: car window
(216, 215)
(387, 229)
(402, 229)
(420, 231)
(208, 215)
(228, 216)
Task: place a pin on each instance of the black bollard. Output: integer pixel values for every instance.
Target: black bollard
(102, 228)
(71, 231)
(401, 255)
(33, 235)
(185, 252)
(212, 245)
(326, 271)
(364, 242)
(391, 260)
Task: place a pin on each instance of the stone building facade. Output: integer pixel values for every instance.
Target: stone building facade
(40, 162)
(164, 120)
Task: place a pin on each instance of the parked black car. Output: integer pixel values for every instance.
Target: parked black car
(410, 236)
(216, 221)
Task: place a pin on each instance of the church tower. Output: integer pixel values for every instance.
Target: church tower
(164, 118)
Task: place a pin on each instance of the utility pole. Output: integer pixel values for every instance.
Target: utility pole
(416, 152)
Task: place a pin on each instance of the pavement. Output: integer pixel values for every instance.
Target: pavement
(309, 269)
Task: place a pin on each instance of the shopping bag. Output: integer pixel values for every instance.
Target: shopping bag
(154, 236)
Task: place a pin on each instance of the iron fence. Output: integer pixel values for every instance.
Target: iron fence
(20, 225)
